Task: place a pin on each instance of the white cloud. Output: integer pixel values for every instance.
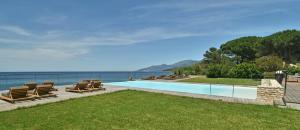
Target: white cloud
(197, 14)
(198, 5)
(61, 45)
(61, 38)
(40, 54)
(138, 36)
(15, 29)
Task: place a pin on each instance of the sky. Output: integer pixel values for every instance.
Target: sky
(126, 35)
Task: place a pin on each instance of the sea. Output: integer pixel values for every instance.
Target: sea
(14, 79)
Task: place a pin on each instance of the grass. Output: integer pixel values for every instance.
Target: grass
(143, 110)
(230, 81)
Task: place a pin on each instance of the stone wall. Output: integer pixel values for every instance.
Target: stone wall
(269, 90)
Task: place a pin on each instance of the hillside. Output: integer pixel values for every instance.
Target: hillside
(163, 67)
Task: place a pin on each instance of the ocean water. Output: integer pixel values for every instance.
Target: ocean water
(12, 79)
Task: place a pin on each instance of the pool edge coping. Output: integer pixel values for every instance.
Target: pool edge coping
(200, 96)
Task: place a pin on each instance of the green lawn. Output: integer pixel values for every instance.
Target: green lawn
(230, 81)
(143, 110)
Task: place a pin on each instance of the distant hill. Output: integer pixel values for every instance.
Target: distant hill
(163, 67)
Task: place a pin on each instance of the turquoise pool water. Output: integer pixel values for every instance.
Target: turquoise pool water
(218, 90)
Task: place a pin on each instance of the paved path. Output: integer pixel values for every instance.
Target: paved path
(292, 92)
(61, 96)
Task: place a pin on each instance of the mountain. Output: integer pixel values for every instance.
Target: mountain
(167, 67)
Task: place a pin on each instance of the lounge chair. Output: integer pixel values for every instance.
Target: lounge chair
(52, 85)
(170, 77)
(17, 94)
(96, 85)
(88, 81)
(161, 77)
(31, 87)
(150, 78)
(42, 91)
(79, 88)
(95, 80)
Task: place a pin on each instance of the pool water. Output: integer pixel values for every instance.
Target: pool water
(218, 90)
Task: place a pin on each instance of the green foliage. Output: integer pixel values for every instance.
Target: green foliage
(285, 44)
(272, 50)
(293, 70)
(242, 49)
(269, 75)
(178, 72)
(218, 70)
(197, 69)
(213, 55)
(245, 70)
(269, 63)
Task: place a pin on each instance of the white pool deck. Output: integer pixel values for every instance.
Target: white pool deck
(62, 95)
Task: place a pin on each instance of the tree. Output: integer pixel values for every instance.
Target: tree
(218, 70)
(245, 70)
(215, 56)
(269, 63)
(242, 49)
(285, 44)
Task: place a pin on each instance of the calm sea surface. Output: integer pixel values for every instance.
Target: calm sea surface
(11, 79)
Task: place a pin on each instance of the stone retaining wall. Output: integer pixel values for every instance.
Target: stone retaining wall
(269, 90)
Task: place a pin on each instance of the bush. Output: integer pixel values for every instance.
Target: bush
(218, 70)
(269, 75)
(293, 70)
(269, 63)
(200, 69)
(245, 70)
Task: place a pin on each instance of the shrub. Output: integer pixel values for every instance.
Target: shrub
(200, 69)
(269, 75)
(218, 70)
(245, 70)
(269, 63)
(293, 70)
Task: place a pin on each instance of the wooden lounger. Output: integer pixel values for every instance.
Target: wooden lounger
(88, 81)
(42, 91)
(95, 80)
(17, 94)
(97, 86)
(78, 88)
(52, 85)
(31, 85)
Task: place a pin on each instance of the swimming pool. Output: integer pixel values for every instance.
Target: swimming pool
(218, 90)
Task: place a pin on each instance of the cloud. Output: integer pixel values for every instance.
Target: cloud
(63, 44)
(138, 36)
(160, 21)
(40, 54)
(15, 29)
(61, 38)
(197, 14)
(198, 5)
